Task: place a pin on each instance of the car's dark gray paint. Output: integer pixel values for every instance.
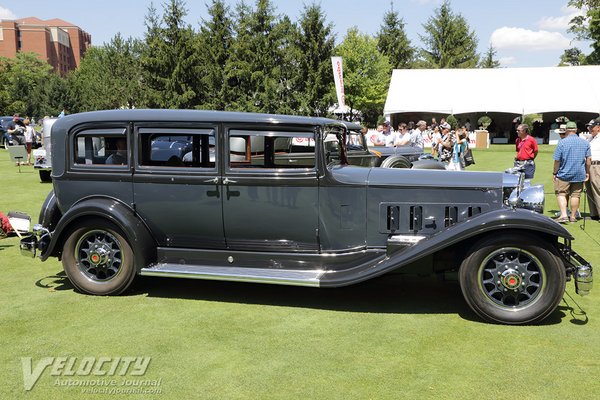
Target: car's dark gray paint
(320, 210)
(283, 213)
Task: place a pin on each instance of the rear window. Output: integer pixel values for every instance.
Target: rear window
(106, 147)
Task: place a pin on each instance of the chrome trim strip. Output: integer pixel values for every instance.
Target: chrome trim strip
(236, 274)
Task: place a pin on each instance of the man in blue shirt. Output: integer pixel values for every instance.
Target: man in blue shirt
(572, 159)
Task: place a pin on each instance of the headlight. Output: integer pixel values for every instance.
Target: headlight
(518, 192)
(532, 198)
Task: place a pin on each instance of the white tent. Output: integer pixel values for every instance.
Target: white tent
(502, 90)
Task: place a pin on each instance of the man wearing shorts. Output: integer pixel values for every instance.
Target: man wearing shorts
(593, 185)
(572, 159)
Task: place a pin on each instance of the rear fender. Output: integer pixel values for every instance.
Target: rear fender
(136, 232)
(50, 213)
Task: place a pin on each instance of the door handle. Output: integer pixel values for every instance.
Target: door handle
(227, 181)
(214, 180)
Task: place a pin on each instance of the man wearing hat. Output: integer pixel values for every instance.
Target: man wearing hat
(562, 130)
(587, 135)
(572, 159)
(527, 150)
(593, 184)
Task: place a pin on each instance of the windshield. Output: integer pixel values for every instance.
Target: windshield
(355, 141)
(333, 143)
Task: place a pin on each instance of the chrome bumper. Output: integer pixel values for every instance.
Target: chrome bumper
(37, 240)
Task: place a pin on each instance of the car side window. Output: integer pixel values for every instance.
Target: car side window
(271, 150)
(177, 148)
(108, 147)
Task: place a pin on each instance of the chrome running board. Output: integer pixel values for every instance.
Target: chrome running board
(236, 274)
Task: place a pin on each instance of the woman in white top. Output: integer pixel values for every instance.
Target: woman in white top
(29, 135)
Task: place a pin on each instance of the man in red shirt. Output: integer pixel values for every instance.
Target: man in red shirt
(527, 150)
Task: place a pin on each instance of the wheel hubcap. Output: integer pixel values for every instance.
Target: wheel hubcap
(98, 254)
(512, 278)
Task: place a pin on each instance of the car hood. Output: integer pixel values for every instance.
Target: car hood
(434, 178)
(423, 178)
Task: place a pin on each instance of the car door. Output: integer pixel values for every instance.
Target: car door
(270, 189)
(177, 184)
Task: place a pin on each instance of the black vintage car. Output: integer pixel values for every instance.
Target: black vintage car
(246, 203)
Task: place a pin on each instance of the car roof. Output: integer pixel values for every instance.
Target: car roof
(142, 115)
(352, 126)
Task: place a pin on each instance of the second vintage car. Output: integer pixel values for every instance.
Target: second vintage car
(234, 196)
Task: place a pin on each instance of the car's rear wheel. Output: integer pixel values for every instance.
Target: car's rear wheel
(98, 259)
(512, 279)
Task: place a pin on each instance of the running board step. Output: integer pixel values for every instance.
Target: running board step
(236, 274)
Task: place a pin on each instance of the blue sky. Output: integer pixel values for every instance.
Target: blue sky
(526, 33)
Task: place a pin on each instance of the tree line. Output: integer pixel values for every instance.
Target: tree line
(245, 58)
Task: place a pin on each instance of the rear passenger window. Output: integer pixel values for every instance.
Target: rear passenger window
(271, 150)
(97, 147)
(177, 148)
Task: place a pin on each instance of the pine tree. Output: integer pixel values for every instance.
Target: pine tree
(315, 45)
(254, 67)
(449, 43)
(237, 67)
(151, 66)
(171, 63)
(489, 59)
(393, 42)
(214, 44)
(289, 58)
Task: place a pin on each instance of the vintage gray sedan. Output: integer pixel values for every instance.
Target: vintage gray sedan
(234, 196)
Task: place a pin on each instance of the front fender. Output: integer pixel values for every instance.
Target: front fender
(497, 220)
(136, 232)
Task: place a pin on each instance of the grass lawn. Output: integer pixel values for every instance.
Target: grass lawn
(387, 338)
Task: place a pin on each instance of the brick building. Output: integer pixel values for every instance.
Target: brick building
(59, 42)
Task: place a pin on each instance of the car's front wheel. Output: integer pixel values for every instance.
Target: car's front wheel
(512, 279)
(98, 259)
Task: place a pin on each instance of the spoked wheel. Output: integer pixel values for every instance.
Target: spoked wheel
(99, 255)
(512, 279)
(98, 259)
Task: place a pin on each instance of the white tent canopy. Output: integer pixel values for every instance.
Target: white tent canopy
(504, 90)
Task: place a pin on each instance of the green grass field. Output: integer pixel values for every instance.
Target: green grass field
(387, 338)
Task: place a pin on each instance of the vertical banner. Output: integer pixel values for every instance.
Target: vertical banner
(338, 77)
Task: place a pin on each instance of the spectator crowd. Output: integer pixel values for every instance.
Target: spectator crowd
(447, 145)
